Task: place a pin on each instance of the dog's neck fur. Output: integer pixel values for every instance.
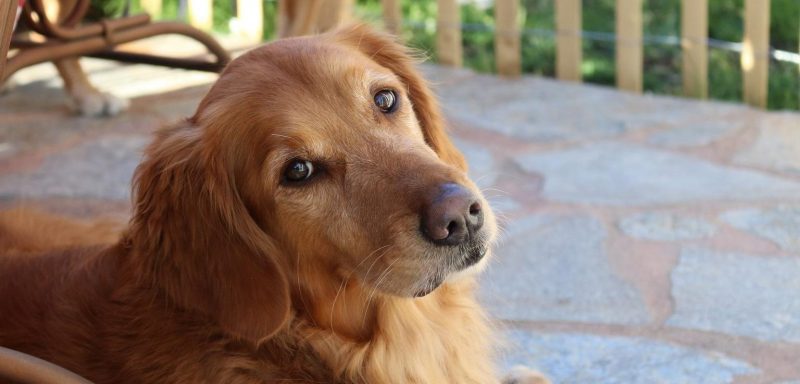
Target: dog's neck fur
(357, 331)
(361, 335)
(365, 336)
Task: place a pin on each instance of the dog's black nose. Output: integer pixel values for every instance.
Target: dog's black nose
(452, 216)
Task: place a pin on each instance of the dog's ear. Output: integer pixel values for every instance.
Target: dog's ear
(194, 239)
(386, 51)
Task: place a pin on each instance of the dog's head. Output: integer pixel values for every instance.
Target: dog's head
(328, 151)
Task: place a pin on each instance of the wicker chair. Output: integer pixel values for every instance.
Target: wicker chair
(71, 38)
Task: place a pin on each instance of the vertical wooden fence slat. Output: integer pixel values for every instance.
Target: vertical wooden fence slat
(392, 16)
(508, 56)
(200, 14)
(152, 7)
(250, 15)
(448, 33)
(629, 45)
(569, 54)
(694, 36)
(755, 52)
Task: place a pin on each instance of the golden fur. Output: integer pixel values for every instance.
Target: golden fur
(225, 274)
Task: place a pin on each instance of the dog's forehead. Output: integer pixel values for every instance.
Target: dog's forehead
(315, 92)
(320, 62)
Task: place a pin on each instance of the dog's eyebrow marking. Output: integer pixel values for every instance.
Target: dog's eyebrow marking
(284, 136)
(293, 139)
(379, 78)
(311, 150)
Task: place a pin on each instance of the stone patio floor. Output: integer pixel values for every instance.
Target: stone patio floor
(646, 239)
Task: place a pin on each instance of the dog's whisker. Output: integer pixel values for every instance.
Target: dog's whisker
(366, 307)
(370, 255)
(366, 275)
(502, 218)
(484, 176)
(494, 189)
(346, 279)
(333, 305)
(376, 286)
(298, 272)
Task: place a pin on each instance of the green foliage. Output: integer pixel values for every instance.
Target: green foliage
(726, 19)
(785, 24)
(421, 30)
(538, 49)
(270, 10)
(724, 75)
(662, 62)
(478, 37)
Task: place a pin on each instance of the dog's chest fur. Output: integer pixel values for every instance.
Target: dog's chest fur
(441, 338)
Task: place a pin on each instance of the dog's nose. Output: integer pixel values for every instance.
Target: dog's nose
(452, 216)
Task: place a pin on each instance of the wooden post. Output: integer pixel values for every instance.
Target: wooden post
(152, 7)
(508, 57)
(250, 17)
(200, 14)
(694, 36)
(569, 53)
(755, 52)
(448, 33)
(629, 45)
(392, 16)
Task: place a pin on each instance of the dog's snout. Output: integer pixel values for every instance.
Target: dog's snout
(452, 216)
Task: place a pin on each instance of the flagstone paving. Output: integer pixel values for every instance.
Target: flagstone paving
(645, 239)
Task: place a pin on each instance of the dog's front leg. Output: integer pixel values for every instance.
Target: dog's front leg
(86, 99)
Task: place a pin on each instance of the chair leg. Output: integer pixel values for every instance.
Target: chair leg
(8, 16)
(33, 53)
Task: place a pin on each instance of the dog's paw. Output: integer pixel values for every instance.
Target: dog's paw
(523, 375)
(98, 104)
(8, 86)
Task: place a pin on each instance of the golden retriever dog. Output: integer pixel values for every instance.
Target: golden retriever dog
(311, 223)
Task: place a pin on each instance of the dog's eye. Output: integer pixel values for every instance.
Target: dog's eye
(386, 100)
(298, 170)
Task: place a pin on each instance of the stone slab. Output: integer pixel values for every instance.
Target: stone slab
(480, 161)
(555, 268)
(594, 359)
(777, 146)
(780, 225)
(544, 110)
(612, 173)
(525, 108)
(665, 226)
(101, 168)
(694, 135)
(746, 295)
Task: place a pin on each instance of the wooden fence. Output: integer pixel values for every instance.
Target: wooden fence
(629, 39)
